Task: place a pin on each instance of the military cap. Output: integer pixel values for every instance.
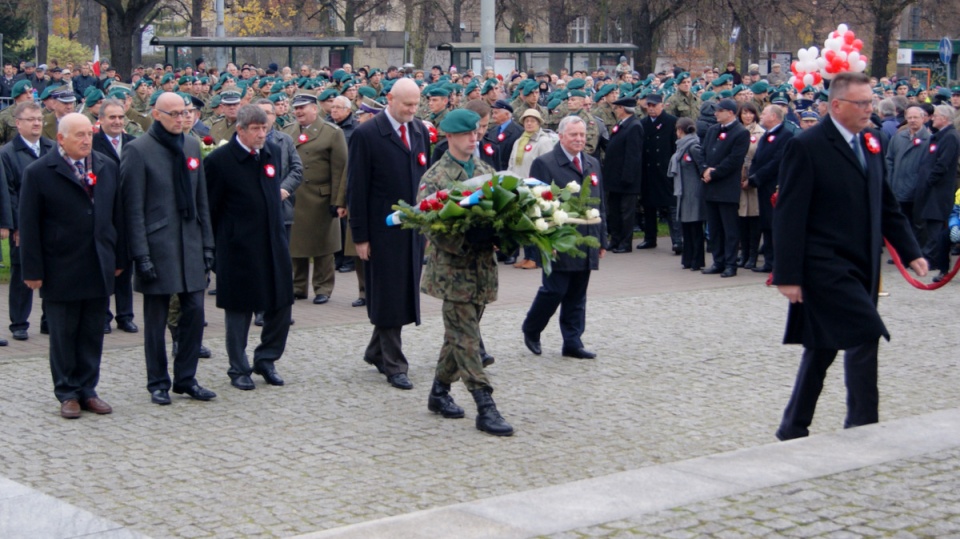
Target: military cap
(902, 83)
(726, 94)
(808, 90)
(503, 105)
(576, 84)
(454, 88)
(370, 106)
(64, 94)
(490, 84)
(471, 87)
(779, 98)
(667, 85)
(20, 88)
(707, 96)
(460, 121)
(529, 86)
(142, 81)
(374, 71)
(154, 96)
(195, 101)
(329, 93)
(346, 86)
(696, 88)
(367, 91)
(718, 82)
(119, 93)
(726, 77)
(823, 96)
(728, 104)
(204, 80)
(809, 115)
(553, 104)
(56, 69)
(279, 96)
(107, 83)
(214, 102)
(516, 92)
(955, 90)
(647, 81)
(760, 87)
(654, 98)
(737, 89)
(92, 98)
(603, 91)
(436, 90)
(805, 104)
(912, 93)
(627, 88)
(626, 102)
(576, 93)
(186, 79)
(300, 100)
(169, 77)
(230, 98)
(278, 87)
(419, 82)
(48, 92)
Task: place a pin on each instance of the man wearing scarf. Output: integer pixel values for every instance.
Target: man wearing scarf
(171, 243)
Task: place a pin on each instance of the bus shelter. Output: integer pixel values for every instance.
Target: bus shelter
(540, 56)
(258, 50)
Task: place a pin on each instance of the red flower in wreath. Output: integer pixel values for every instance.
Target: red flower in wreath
(425, 205)
(303, 138)
(873, 145)
(208, 140)
(193, 163)
(269, 171)
(547, 195)
(442, 195)
(91, 179)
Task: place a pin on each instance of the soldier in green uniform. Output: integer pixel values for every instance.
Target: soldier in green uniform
(64, 103)
(141, 99)
(22, 91)
(224, 128)
(684, 103)
(461, 270)
(168, 82)
(529, 99)
(760, 94)
(470, 92)
(438, 101)
(91, 106)
(373, 81)
(575, 108)
(281, 106)
(604, 99)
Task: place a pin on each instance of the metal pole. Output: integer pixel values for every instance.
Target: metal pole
(221, 53)
(488, 34)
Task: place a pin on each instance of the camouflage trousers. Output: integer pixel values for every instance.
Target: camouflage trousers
(460, 354)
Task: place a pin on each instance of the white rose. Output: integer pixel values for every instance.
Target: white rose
(593, 213)
(573, 187)
(534, 211)
(544, 205)
(555, 204)
(541, 225)
(538, 190)
(560, 217)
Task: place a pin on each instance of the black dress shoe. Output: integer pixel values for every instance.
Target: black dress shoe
(106, 328)
(127, 326)
(212, 292)
(487, 359)
(270, 375)
(258, 320)
(243, 382)
(741, 261)
(299, 296)
(619, 250)
(940, 277)
(320, 299)
(346, 268)
(160, 396)
(647, 245)
(510, 260)
(579, 353)
(712, 270)
(764, 269)
(20, 335)
(751, 263)
(359, 302)
(3, 342)
(196, 391)
(205, 352)
(677, 248)
(729, 272)
(533, 343)
(400, 381)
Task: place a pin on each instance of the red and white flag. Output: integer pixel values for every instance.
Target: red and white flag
(96, 60)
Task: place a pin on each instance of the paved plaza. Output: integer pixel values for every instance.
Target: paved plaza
(669, 432)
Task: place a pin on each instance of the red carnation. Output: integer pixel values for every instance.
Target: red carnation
(547, 195)
(442, 195)
(436, 205)
(424, 205)
(208, 140)
(467, 193)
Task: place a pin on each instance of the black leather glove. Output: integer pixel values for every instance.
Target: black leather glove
(208, 259)
(481, 237)
(145, 269)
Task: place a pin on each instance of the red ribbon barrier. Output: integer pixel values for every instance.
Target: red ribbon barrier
(911, 279)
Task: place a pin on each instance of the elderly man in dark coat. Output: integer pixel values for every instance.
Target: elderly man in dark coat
(764, 173)
(388, 156)
(171, 243)
(724, 148)
(936, 184)
(254, 272)
(622, 171)
(659, 144)
(72, 248)
(566, 286)
(832, 213)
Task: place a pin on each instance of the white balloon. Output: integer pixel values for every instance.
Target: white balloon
(821, 63)
(861, 65)
(853, 57)
(833, 44)
(814, 52)
(842, 28)
(808, 79)
(812, 65)
(792, 79)
(842, 55)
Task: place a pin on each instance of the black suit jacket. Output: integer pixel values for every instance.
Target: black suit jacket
(659, 145)
(502, 145)
(71, 243)
(623, 166)
(15, 157)
(102, 144)
(724, 149)
(937, 176)
(765, 168)
(555, 167)
(828, 228)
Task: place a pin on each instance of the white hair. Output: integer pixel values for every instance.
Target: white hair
(564, 123)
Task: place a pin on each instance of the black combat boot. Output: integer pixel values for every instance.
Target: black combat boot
(440, 401)
(489, 419)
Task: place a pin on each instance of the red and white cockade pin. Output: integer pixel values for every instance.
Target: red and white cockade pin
(753, 139)
(771, 138)
(687, 158)
(303, 138)
(933, 148)
(616, 128)
(873, 145)
(422, 158)
(593, 179)
(916, 142)
(269, 171)
(501, 136)
(91, 179)
(528, 147)
(488, 149)
(723, 136)
(193, 163)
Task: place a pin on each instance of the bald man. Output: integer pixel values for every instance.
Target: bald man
(73, 268)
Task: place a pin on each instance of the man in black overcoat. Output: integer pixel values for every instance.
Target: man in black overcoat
(72, 247)
(110, 140)
(936, 184)
(15, 157)
(832, 213)
(387, 157)
(502, 134)
(566, 286)
(254, 272)
(659, 144)
(764, 173)
(724, 147)
(622, 171)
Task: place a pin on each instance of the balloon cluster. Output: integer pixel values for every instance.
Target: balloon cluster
(841, 52)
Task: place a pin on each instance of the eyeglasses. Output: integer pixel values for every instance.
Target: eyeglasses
(35, 119)
(175, 114)
(865, 104)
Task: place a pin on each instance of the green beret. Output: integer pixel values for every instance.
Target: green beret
(216, 87)
(349, 84)
(760, 87)
(460, 121)
(119, 93)
(214, 102)
(420, 82)
(278, 87)
(185, 97)
(576, 84)
(204, 80)
(436, 90)
(553, 104)
(696, 89)
(529, 86)
(955, 90)
(603, 91)
(387, 86)
(471, 87)
(47, 92)
(169, 77)
(454, 88)
(186, 79)
(444, 78)
(107, 83)
(737, 89)
(141, 82)
(667, 85)
(707, 96)
(328, 94)
(490, 84)
(374, 71)
(279, 96)
(20, 88)
(576, 93)
(516, 92)
(626, 88)
(156, 95)
(727, 77)
(647, 81)
(682, 76)
(726, 94)
(913, 93)
(367, 91)
(718, 82)
(92, 98)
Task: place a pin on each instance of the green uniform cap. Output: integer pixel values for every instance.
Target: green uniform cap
(436, 90)
(93, 98)
(214, 102)
(280, 96)
(529, 86)
(156, 95)
(726, 94)
(20, 88)
(576, 84)
(471, 87)
(169, 77)
(186, 79)
(718, 82)
(707, 96)
(553, 104)
(460, 121)
(760, 87)
(576, 93)
(329, 93)
(119, 93)
(141, 82)
(603, 91)
(367, 91)
(490, 84)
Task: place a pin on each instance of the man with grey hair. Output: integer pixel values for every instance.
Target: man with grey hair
(936, 183)
(621, 172)
(887, 110)
(907, 149)
(764, 174)
(254, 273)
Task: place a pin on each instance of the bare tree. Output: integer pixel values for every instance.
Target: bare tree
(124, 19)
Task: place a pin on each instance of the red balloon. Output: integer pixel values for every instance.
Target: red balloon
(858, 44)
(846, 66)
(830, 55)
(817, 79)
(793, 67)
(836, 64)
(798, 84)
(846, 48)
(834, 34)
(849, 37)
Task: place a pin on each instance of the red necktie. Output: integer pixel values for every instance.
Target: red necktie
(403, 135)
(576, 163)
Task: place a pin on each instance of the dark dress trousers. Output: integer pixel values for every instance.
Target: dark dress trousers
(566, 286)
(74, 245)
(383, 171)
(936, 184)
(254, 272)
(764, 175)
(724, 149)
(123, 291)
(15, 157)
(828, 229)
(659, 145)
(175, 245)
(622, 173)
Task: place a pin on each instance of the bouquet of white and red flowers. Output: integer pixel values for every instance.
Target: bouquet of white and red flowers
(522, 211)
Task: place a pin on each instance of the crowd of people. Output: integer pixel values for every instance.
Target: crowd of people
(277, 179)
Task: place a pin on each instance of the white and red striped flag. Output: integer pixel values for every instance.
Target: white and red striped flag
(96, 60)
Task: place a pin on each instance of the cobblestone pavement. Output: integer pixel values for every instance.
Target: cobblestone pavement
(682, 373)
(917, 497)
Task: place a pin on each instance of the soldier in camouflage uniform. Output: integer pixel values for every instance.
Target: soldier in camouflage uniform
(684, 103)
(22, 91)
(461, 270)
(141, 99)
(224, 128)
(529, 99)
(91, 106)
(604, 99)
(438, 101)
(575, 108)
